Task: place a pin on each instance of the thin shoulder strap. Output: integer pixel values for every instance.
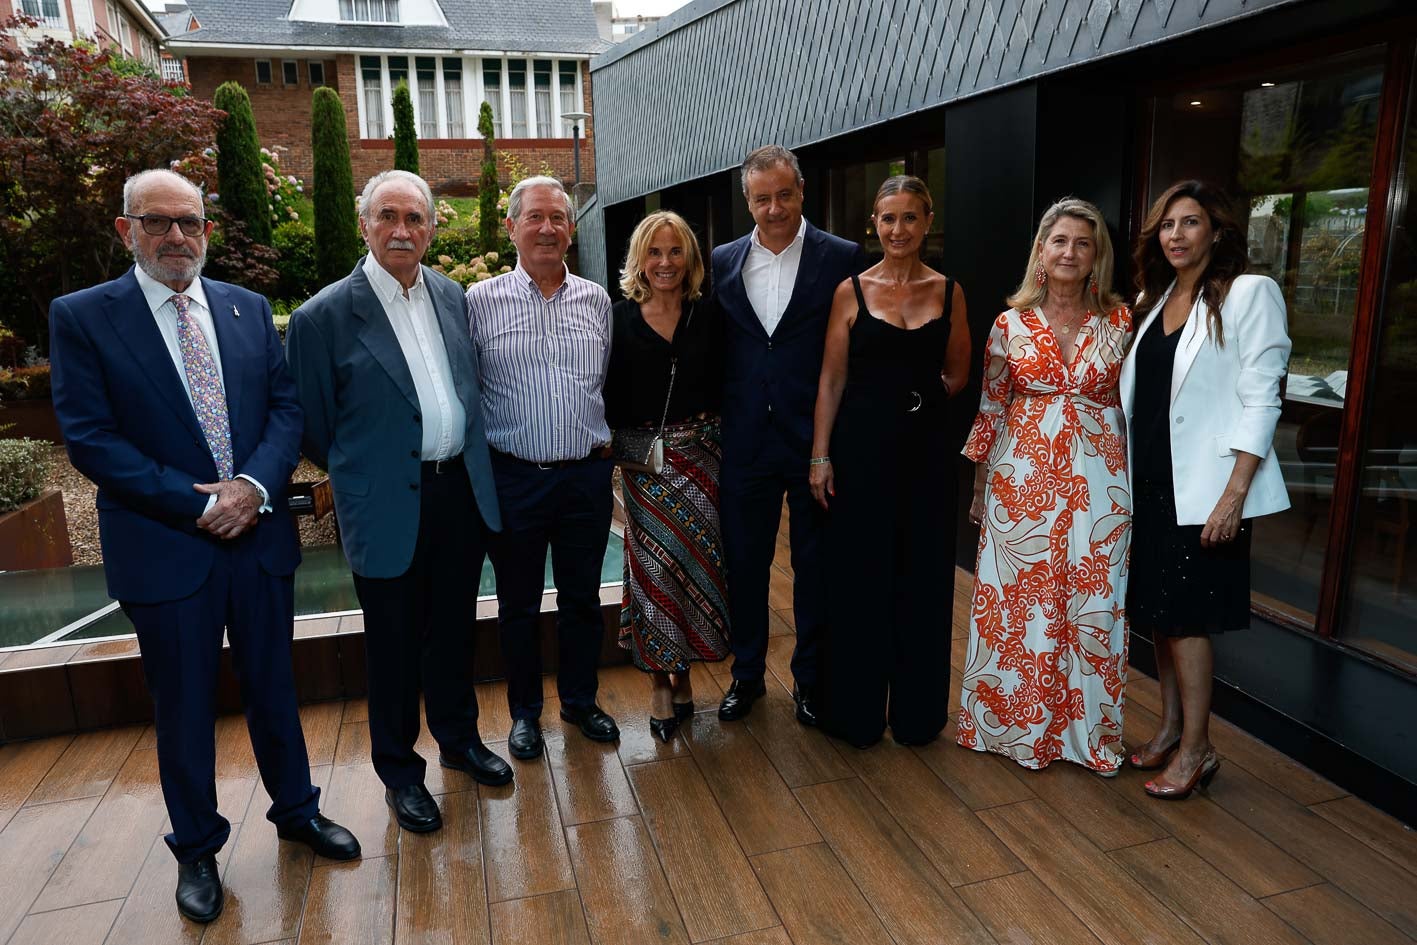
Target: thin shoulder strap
(860, 297)
(949, 296)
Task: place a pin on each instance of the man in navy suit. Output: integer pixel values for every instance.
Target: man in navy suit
(393, 409)
(775, 286)
(173, 397)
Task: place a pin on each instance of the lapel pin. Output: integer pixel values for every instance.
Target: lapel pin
(235, 311)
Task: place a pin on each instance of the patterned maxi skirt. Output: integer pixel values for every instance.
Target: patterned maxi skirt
(675, 608)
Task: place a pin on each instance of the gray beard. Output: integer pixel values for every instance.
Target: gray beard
(170, 268)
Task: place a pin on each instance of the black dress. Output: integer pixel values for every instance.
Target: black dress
(890, 537)
(1176, 587)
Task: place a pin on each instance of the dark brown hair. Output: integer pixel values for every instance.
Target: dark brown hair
(906, 184)
(1228, 257)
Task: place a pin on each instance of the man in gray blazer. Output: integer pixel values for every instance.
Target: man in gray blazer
(389, 382)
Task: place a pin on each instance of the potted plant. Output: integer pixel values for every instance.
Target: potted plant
(33, 530)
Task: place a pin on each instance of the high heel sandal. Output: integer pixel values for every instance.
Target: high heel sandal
(664, 729)
(1158, 760)
(683, 711)
(1201, 777)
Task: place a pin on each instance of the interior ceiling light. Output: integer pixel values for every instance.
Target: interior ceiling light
(1266, 85)
(1196, 103)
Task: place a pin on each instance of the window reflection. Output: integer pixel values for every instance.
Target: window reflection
(1296, 153)
(1382, 590)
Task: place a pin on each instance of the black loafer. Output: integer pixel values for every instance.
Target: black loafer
(592, 721)
(478, 761)
(524, 742)
(806, 707)
(663, 729)
(414, 808)
(324, 836)
(199, 895)
(738, 700)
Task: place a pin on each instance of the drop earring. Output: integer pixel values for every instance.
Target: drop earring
(1040, 276)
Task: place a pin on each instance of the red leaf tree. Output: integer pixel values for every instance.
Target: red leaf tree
(72, 129)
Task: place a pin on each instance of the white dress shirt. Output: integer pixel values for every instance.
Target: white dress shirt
(159, 299)
(415, 325)
(768, 277)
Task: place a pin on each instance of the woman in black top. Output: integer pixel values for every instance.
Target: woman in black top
(883, 467)
(666, 372)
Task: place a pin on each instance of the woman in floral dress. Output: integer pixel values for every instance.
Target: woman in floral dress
(1047, 655)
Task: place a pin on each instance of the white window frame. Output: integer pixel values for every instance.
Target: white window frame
(270, 68)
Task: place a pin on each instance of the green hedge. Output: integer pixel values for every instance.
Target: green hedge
(23, 465)
(299, 270)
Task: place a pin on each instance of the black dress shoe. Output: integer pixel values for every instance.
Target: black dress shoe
(592, 721)
(683, 711)
(414, 808)
(738, 700)
(525, 740)
(199, 895)
(324, 836)
(664, 729)
(806, 707)
(479, 761)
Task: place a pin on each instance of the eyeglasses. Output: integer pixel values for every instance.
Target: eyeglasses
(155, 224)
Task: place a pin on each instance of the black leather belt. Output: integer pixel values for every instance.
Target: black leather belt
(596, 453)
(440, 467)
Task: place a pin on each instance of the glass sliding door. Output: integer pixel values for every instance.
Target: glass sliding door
(1294, 148)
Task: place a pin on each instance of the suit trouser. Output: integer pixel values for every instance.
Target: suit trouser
(568, 509)
(418, 631)
(180, 642)
(750, 509)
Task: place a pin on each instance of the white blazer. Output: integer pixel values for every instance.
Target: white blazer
(1224, 399)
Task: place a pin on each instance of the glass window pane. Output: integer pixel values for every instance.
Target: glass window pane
(1295, 152)
(1382, 585)
(568, 88)
(516, 84)
(542, 78)
(290, 72)
(492, 86)
(317, 74)
(373, 97)
(452, 97)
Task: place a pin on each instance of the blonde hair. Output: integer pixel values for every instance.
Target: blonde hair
(1030, 294)
(633, 282)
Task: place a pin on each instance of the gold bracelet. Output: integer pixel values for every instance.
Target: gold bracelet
(819, 461)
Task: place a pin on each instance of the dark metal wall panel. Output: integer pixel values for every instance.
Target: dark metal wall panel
(590, 242)
(720, 77)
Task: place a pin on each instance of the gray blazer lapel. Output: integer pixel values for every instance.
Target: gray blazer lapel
(377, 334)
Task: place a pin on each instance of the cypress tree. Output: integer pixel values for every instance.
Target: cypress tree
(240, 176)
(405, 137)
(487, 189)
(336, 230)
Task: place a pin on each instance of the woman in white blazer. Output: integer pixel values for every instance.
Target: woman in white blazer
(1200, 390)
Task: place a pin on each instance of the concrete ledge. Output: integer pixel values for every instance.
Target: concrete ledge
(75, 687)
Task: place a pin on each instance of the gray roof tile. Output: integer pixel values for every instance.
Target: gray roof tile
(550, 26)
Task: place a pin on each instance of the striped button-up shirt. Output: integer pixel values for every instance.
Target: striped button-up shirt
(543, 365)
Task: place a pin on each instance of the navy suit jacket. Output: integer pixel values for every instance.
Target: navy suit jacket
(129, 426)
(774, 379)
(363, 421)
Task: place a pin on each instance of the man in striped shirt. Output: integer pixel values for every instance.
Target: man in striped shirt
(543, 339)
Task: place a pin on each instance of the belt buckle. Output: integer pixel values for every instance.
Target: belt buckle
(438, 466)
(919, 402)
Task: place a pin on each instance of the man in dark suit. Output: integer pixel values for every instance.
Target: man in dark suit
(389, 381)
(775, 286)
(181, 411)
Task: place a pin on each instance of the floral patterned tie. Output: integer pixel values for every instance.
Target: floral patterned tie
(208, 398)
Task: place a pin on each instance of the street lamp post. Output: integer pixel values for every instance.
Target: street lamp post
(575, 118)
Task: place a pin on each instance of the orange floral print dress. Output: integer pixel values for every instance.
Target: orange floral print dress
(1047, 657)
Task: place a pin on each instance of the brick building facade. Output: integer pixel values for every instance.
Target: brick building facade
(125, 25)
(529, 58)
(451, 165)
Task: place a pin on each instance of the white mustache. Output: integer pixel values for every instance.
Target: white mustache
(399, 244)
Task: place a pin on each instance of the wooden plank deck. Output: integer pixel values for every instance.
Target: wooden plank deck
(755, 833)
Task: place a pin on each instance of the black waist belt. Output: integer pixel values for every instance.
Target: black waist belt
(552, 464)
(441, 467)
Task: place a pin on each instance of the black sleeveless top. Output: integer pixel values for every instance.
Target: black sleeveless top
(887, 362)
